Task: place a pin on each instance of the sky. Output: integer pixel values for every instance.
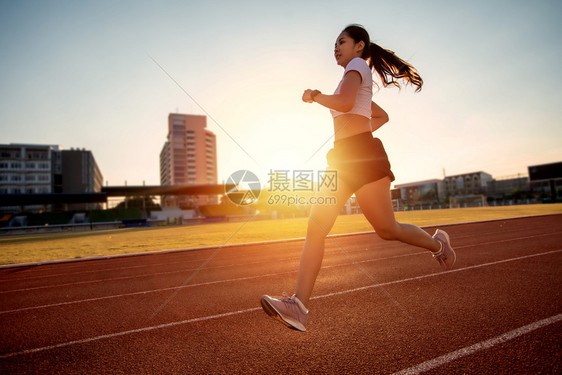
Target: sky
(86, 74)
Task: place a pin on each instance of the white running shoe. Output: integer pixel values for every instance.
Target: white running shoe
(446, 256)
(289, 310)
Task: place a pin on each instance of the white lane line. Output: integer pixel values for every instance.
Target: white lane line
(141, 292)
(100, 270)
(210, 317)
(452, 356)
(437, 274)
(195, 285)
(141, 275)
(508, 240)
(184, 271)
(234, 265)
(154, 265)
(112, 335)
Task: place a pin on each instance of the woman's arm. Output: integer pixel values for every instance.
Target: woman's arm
(342, 102)
(378, 116)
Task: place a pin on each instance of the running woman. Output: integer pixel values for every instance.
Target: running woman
(362, 167)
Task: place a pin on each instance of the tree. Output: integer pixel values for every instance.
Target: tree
(149, 203)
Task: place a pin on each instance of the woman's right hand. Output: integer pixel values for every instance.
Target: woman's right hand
(306, 96)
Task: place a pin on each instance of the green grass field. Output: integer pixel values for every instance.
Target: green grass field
(58, 246)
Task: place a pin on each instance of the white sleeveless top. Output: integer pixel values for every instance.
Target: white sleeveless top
(362, 105)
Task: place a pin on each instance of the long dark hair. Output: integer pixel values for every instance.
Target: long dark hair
(385, 62)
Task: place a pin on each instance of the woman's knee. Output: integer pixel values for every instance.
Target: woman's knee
(388, 232)
(316, 228)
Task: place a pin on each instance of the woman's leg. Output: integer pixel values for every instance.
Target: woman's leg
(320, 222)
(374, 200)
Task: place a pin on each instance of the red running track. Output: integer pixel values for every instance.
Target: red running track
(498, 311)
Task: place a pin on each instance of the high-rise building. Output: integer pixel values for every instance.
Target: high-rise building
(188, 157)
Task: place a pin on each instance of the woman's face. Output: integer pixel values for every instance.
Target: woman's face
(346, 49)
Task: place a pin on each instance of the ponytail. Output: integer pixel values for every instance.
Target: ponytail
(391, 68)
(388, 66)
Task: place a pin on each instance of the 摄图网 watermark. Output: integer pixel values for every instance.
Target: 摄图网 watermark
(286, 187)
(294, 200)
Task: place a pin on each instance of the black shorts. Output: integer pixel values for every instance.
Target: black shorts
(359, 160)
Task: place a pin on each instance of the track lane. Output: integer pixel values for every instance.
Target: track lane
(332, 277)
(92, 314)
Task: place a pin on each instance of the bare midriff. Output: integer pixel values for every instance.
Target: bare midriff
(350, 125)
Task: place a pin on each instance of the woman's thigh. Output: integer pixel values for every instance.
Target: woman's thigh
(328, 205)
(374, 200)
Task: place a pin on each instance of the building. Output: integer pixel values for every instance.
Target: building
(28, 169)
(166, 165)
(44, 169)
(188, 157)
(516, 187)
(546, 180)
(422, 192)
(80, 174)
(467, 189)
(473, 183)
